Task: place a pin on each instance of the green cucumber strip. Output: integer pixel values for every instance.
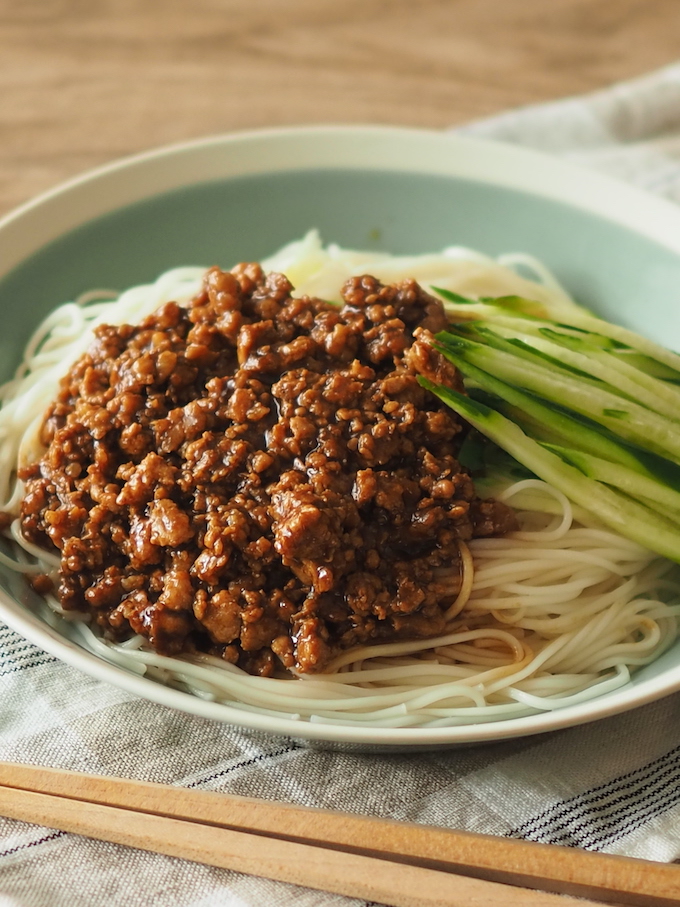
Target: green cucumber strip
(647, 429)
(626, 516)
(668, 512)
(654, 350)
(482, 457)
(450, 296)
(578, 319)
(581, 342)
(515, 305)
(541, 352)
(636, 384)
(520, 305)
(537, 429)
(528, 347)
(588, 339)
(545, 418)
(491, 308)
(626, 480)
(645, 364)
(543, 423)
(471, 453)
(553, 426)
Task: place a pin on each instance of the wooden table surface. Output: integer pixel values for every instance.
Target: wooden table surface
(85, 81)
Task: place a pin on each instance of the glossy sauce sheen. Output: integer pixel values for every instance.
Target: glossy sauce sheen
(258, 476)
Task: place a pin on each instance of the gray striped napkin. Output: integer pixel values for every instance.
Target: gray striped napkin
(612, 786)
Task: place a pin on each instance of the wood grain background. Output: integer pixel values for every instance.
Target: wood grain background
(86, 81)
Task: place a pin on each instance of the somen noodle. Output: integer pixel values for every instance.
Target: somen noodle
(550, 615)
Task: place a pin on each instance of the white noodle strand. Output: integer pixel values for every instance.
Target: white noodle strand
(548, 616)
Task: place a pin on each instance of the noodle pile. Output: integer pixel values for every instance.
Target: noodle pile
(556, 613)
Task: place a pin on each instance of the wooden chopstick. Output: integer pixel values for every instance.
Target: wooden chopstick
(400, 885)
(395, 863)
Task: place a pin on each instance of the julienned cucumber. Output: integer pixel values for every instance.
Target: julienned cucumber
(579, 320)
(589, 407)
(595, 399)
(623, 514)
(551, 423)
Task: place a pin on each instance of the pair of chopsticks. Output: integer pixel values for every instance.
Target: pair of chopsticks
(394, 863)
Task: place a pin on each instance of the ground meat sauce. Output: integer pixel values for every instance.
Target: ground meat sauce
(260, 477)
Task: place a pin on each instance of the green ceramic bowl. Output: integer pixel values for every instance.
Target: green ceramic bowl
(237, 197)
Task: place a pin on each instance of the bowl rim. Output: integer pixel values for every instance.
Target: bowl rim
(381, 148)
(73, 203)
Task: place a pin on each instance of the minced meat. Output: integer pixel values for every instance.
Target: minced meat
(260, 477)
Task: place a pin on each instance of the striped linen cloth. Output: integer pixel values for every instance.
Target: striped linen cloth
(612, 786)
